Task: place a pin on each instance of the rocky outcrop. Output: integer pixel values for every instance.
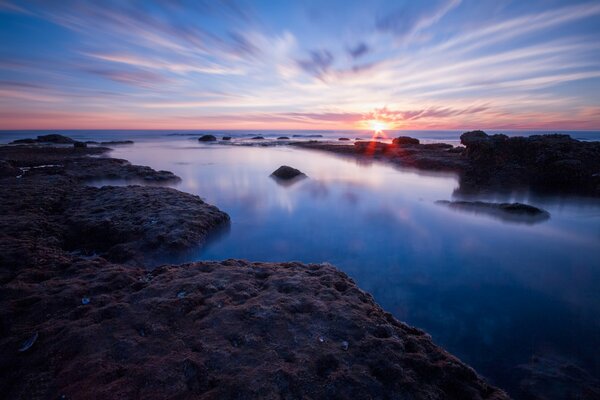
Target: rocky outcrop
(402, 140)
(344, 139)
(285, 172)
(52, 138)
(207, 138)
(553, 162)
(226, 138)
(511, 212)
(257, 138)
(283, 138)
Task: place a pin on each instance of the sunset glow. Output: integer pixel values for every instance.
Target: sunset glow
(443, 64)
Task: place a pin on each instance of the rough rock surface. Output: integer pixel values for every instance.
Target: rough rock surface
(405, 140)
(74, 324)
(228, 330)
(76, 163)
(542, 161)
(286, 172)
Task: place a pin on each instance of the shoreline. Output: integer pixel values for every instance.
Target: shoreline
(92, 313)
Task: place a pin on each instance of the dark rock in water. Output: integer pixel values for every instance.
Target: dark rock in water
(55, 138)
(511, 212)
(543, 161)
(344, 139)
(8, 169)
(207, 138)
(257, 138)
(405, 140)
(80, 145)
(52, 138)
(116, 142)
(226, 138)
(24, 141)
(283, 138)
(285, 172)
(308, 136)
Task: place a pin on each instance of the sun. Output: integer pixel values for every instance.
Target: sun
(378, 126)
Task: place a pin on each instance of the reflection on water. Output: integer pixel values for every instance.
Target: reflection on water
(492, 292)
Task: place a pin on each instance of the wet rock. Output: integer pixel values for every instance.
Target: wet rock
(283, 138)
(511, 212)
(286, 172)
(226, 138)
(550, 162)
(344, 139)
(207, 138)
(80, 145)
(8, 169)
(55, 138)
(403, 140)
(257, 138)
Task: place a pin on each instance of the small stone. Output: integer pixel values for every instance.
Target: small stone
(321, 339)
(345, 345)
(181, 294)
(85, 300)
(29, 342)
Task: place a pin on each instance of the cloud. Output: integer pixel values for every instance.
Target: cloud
(412, 18)
(318, 63)
(359, 50)
(143, 79)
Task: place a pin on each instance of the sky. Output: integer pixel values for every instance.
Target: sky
(440, 64)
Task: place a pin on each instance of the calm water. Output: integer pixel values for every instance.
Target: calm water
(493, 292)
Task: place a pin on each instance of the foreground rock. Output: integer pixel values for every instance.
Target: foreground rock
(220, 330)
(285, 172)
(512, 212)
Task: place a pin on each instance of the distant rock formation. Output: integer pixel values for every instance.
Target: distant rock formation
(511, 212)
(207, 138)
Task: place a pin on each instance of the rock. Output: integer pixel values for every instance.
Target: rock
(344, 139)
(308, 136)
(52, 138)
(257, 138)
(285, 172)
(23, 141)
(80, 145)
(283, 138)
(29, 342)
(8, 169)
(55, 138)
(510, 212)
(548, 162)
(207, 138)
(226, 138)
(403, 140)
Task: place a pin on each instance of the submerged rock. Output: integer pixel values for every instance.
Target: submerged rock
(207, 138)
(344, 139)
(405, 140)
(286, 172)
(257, 138)
(226, 138)
(283, 138)
(512, 212)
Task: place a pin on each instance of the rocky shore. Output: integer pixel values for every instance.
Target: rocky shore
(85, 314)
(553, 163)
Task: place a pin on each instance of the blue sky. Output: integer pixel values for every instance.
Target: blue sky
(444, 64)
